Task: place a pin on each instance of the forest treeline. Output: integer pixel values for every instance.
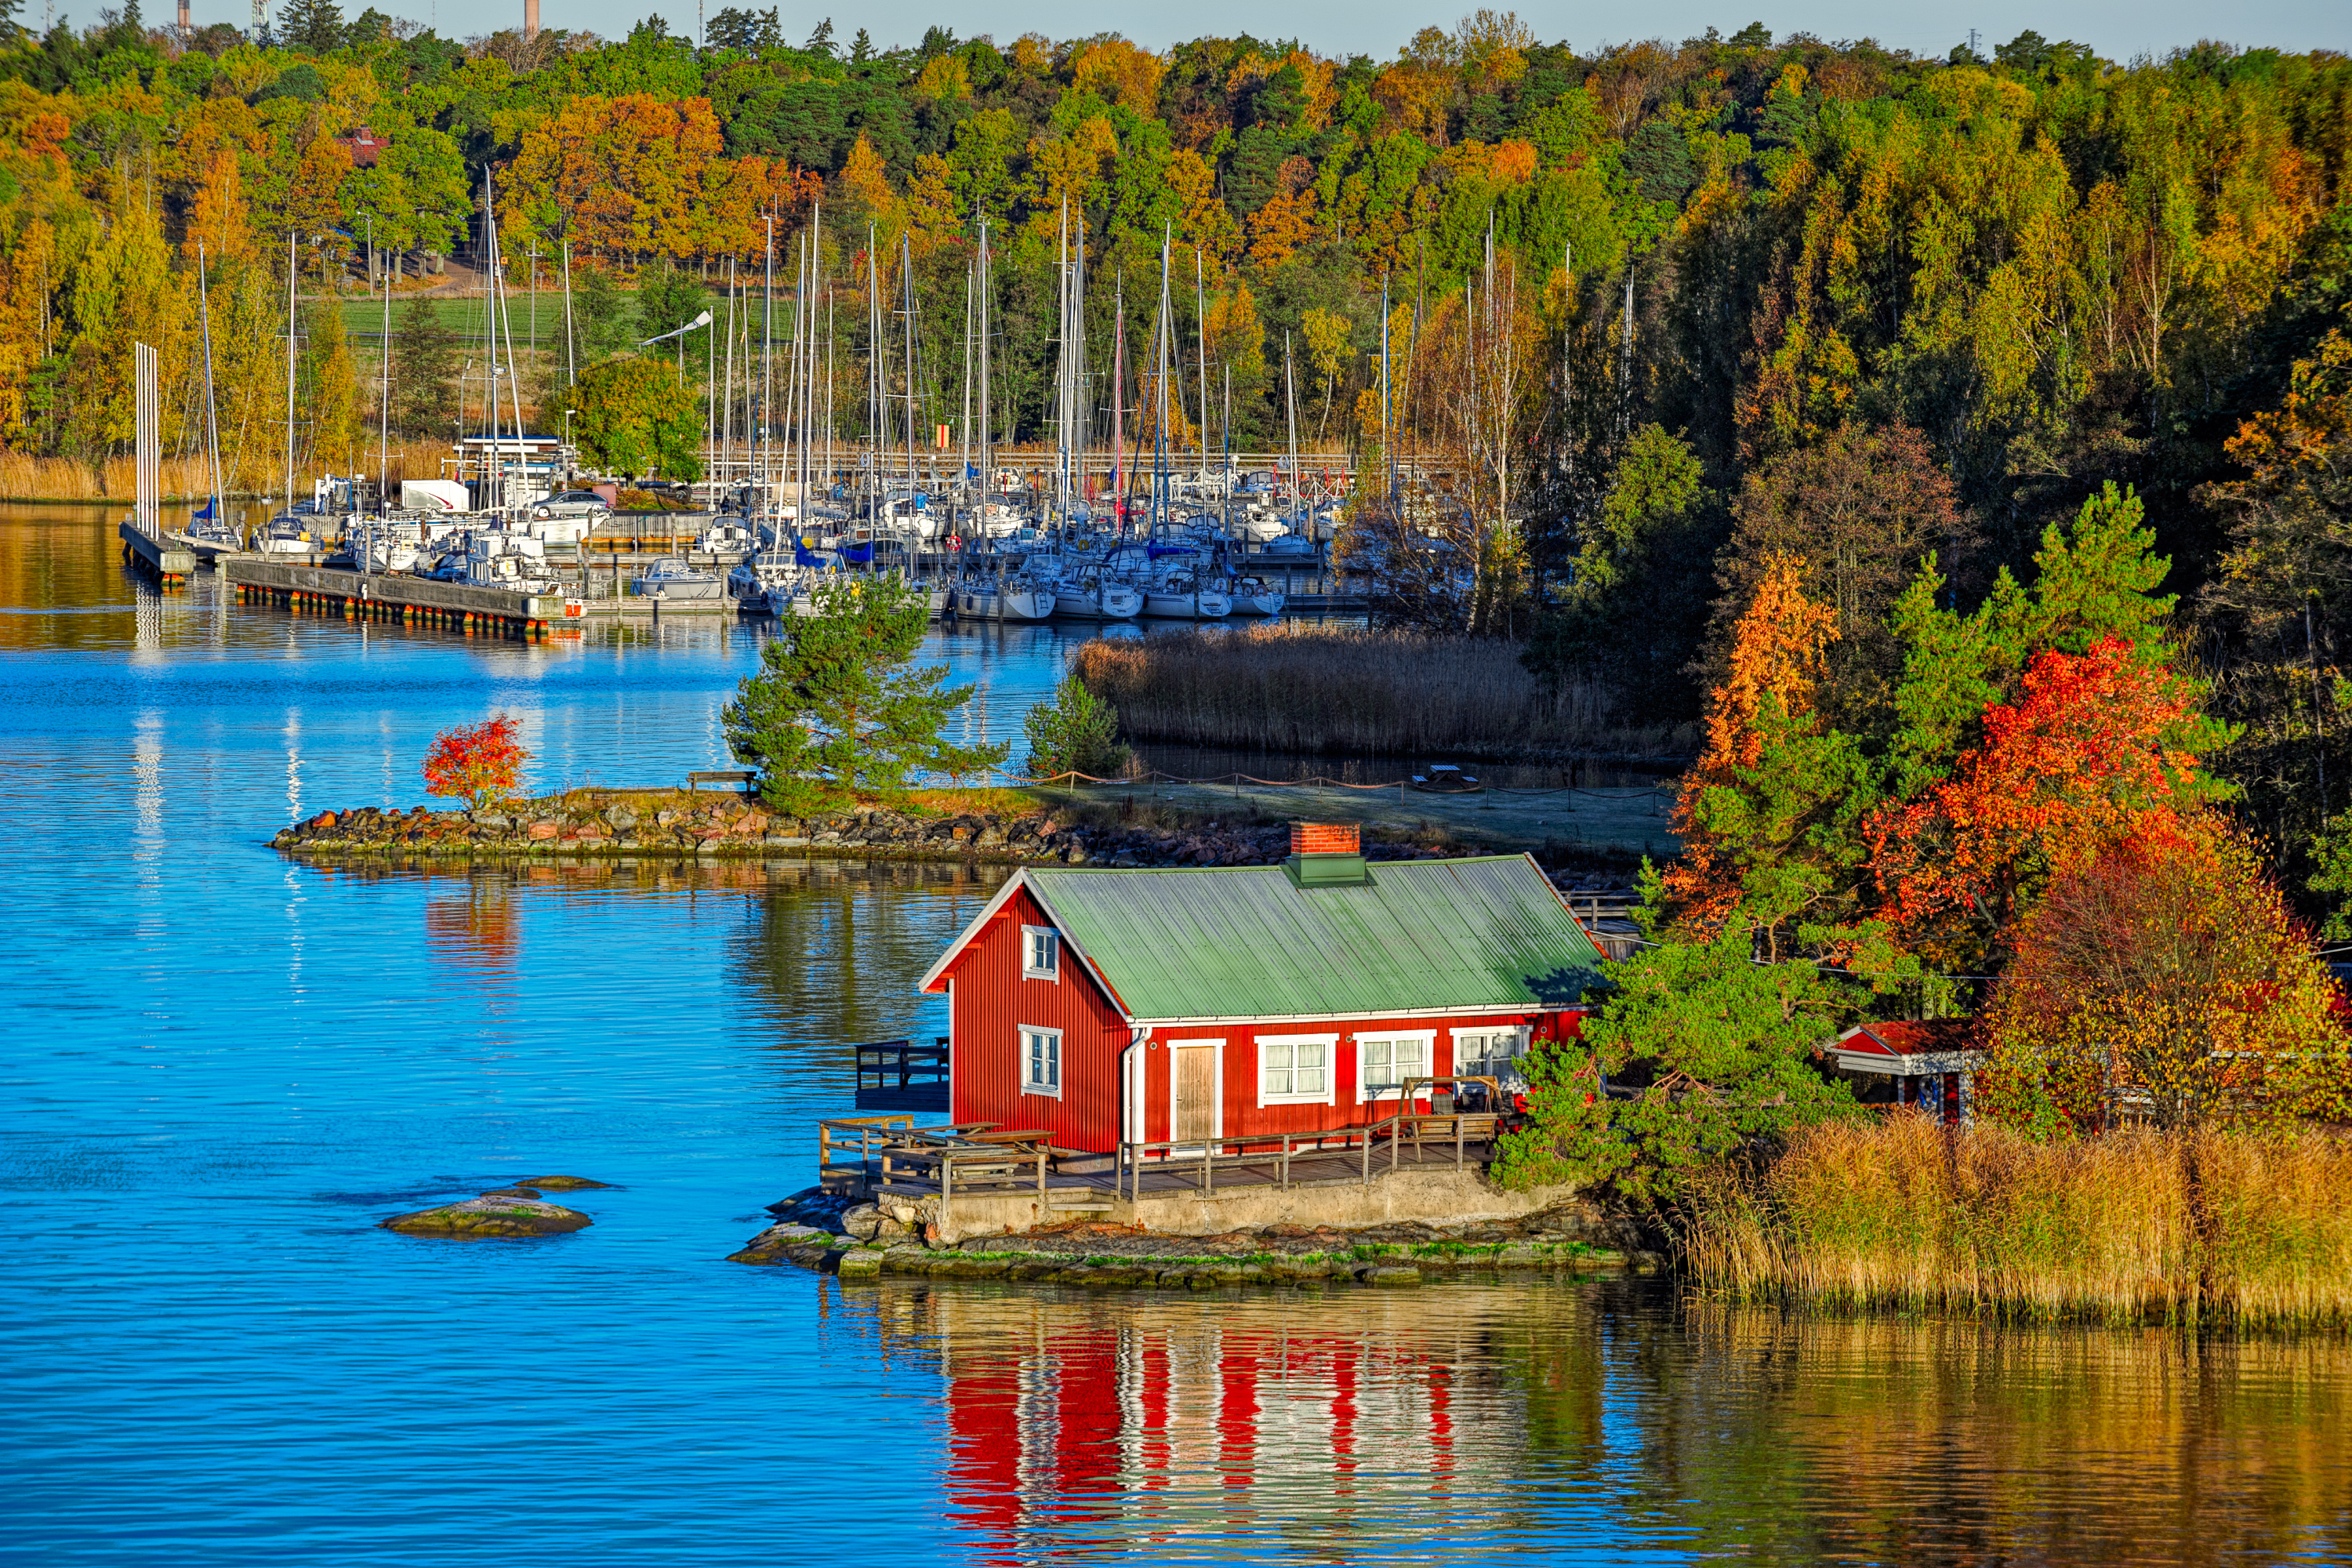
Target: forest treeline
(1662, 310)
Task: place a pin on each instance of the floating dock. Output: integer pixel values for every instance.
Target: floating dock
(402, 600)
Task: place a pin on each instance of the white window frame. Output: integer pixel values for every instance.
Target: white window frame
(1329, 1093)
(1052, 971)
(1365, 1092)
(1028, 1086)
(1464, 1065)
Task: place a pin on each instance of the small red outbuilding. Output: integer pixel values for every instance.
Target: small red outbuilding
(1932, 1062)
(1111, 1006)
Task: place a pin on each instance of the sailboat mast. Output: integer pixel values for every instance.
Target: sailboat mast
(1119, 400)
(383, 396)
(1388, 459)
(1159, 425)
(1062, 365)
(1201, 332)
(1291, 402)
(970, 302)
(727, 388)
(290, 370)
(907, 263)
(571, 361)
(212, 414)
(766, 377)
(878, 350)
(985, 465)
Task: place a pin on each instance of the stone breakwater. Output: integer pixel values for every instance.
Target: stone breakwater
(855, 1241)
(685, 825)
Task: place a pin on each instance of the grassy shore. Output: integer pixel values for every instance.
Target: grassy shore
(1294, 686)
(260, 473)
(2195, 1229)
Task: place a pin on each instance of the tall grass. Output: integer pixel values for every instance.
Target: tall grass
(2252, 1230)
(260, 473)
(1297, 687)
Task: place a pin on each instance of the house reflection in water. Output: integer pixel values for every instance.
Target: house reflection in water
(1144, 1422)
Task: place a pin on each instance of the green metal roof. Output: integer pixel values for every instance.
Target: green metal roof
(1246, 941)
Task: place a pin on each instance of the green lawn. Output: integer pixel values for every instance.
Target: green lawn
(461, 316)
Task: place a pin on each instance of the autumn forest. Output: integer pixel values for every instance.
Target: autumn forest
(1815, 360)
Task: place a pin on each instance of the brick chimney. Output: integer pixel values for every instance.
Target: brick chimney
(1327, 855)
(1325, 838)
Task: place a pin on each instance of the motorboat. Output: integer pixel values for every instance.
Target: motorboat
(299, 532)
(1255, 596)
(503, 558)
(1180, 594)
(1093, 594)
(795, 594)
(1445, 778)
(726, 536)
(1004, 596)
(750, 581)
(671, 578)
(1289, 546)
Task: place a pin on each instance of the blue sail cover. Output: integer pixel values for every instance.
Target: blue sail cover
(205, 512)
(860, 555)
(800, 555)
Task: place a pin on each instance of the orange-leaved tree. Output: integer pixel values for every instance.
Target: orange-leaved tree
(2164, 975)
(2093, 753)
(1770, 765)
(478, 763)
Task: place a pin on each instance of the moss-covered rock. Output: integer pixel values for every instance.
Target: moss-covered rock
(493, 1216)
(565, 1184)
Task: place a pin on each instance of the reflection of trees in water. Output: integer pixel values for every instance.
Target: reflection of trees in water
(836, 946)
(476, 930)
(1893, 1440)
(1499, 1417)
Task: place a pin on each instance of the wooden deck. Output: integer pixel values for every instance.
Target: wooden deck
(874, 1156)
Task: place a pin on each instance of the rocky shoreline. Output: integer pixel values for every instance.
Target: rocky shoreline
(678, 823)
(830, 1234)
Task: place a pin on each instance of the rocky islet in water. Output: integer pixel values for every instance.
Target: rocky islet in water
(502, 1213)
(681, 824)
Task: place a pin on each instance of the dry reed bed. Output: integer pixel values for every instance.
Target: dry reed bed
(2249, 1230)
(114, 480)
(1291, 686)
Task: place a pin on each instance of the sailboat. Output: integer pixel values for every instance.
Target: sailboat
(208, 524)
(299, 529)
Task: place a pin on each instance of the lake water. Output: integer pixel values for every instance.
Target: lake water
(224, 1067)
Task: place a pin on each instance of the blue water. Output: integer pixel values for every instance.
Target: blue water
(224, 1067)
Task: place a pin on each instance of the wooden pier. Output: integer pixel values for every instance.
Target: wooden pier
(166, 560)
(397, 598)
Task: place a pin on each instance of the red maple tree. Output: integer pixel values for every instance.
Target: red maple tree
(478, 763)
(2084, 760)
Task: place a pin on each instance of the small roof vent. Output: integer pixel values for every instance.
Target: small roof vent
(1327, 855)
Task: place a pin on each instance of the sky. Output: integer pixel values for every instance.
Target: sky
(2119, 29)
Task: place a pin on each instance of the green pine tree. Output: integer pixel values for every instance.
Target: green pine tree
(312, 26)
(1076, 733)
(1727, 1046)
(837, 716)
(424, 371)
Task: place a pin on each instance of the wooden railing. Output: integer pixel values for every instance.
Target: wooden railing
(898, 1075)
(1282, 1149)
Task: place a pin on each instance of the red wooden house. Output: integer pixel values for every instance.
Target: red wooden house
(1228, 1002)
